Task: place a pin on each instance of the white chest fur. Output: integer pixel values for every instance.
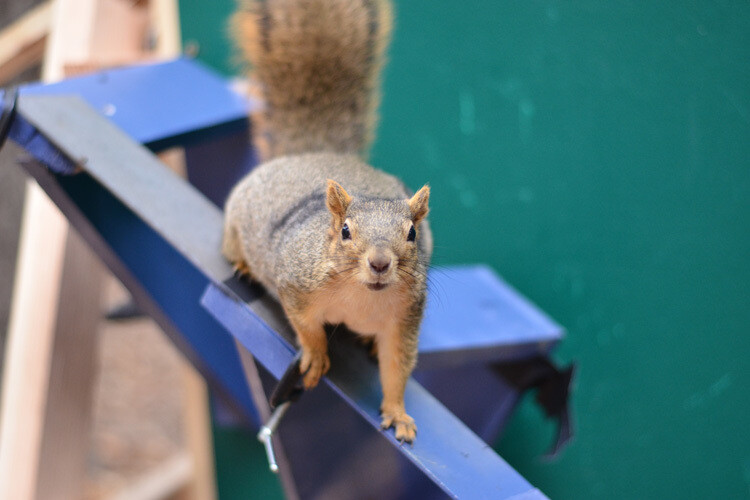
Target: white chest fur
(367, 312)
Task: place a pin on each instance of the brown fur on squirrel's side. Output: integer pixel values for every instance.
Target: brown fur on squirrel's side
(317, 64)
(332, 238)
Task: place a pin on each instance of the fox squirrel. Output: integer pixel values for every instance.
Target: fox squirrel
(332, 238)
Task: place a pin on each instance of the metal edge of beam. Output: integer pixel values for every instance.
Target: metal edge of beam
(185, 218)
(27, 136)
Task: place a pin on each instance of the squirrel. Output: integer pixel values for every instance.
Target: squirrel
(333, 239)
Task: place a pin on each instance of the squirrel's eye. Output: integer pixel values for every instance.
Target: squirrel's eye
(412, 234)
(345, 234)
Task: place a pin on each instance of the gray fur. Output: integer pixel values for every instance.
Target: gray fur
(275, 239)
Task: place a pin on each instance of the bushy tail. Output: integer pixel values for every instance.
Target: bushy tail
(317, 66)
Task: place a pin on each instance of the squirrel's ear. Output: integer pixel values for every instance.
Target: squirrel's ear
(337, 199)
(418, 204)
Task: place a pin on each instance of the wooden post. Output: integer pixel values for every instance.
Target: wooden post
(72, 371)
(201, 485)
(29, 345)
(22, 43)
(50, 362)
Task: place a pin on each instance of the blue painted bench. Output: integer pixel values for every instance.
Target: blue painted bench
(160, 236)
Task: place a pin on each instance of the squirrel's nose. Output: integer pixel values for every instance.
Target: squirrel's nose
(379, 263)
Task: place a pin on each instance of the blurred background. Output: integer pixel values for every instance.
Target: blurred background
(596, 155)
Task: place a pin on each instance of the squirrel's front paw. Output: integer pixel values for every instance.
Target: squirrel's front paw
(313, 365)
(406, 429)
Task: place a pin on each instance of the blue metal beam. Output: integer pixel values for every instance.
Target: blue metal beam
(448, 452)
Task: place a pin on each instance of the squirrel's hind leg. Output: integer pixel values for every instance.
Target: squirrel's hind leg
(232, 250)
(371, 344)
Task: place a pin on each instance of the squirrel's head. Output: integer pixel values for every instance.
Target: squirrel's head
(375, 241)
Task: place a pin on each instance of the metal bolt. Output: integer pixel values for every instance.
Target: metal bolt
(265, 435)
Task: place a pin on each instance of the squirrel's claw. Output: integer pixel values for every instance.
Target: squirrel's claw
(241, 268)
(406, 429)
(313, 365)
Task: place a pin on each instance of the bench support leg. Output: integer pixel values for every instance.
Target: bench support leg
(50, 360)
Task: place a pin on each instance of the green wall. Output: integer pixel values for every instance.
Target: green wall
(597, 155)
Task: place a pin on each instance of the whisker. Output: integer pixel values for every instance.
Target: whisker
(436, 287)
(410, 279)
(333, 331)
(405, 272)
(344, 271)
(414, 272)
(344, 259)
(410, 273)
